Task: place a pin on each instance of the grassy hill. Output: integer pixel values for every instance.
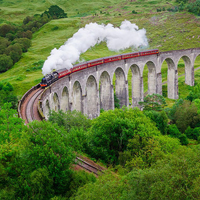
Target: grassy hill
(165, 31)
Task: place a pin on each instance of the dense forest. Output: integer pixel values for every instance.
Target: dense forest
(148, 153)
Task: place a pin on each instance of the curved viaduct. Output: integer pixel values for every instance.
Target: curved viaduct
(92, 89)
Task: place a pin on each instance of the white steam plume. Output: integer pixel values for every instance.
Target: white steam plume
(117, 39)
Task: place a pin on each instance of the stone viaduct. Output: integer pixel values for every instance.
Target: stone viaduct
(92, 89)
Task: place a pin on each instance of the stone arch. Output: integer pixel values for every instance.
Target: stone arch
(189, 71)
(172, 79)
(46, 109)
(56, 104)
(120, 86)
(151, 77)
(136, 84)
(77, 97)
(64, 102)
(106, 92)
(91, 97)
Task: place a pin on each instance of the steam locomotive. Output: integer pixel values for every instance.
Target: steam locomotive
(54, 76)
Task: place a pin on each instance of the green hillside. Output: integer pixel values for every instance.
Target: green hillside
(166, 30)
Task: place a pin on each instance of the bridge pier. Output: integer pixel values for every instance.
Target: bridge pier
(159, 83)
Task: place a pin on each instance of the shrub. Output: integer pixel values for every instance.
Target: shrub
(14, 51)
(160, 118)
(70, 119)
(111, 131)
(5, 63)
(194, 7)
(134, 12)
(173, 131)
(25, 43)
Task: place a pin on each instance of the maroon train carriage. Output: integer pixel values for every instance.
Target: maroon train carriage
(79, 67)
(50, 78)
(63, 72)
(130, 55)
(112, 58)
(95, 62)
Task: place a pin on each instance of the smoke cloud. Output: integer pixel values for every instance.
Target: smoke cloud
(128, 35)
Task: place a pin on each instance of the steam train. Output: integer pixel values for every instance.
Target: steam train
(54, 76)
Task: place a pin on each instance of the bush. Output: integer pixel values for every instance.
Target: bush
(6, 28)
(14, 51)
(55, 12)
(111, 131)
(134, 12)
(160, 118)
(194, 7)
(5, 63)
(70, 119)
(193, 133)
(183, 139)
(4, 43)
(25, 43)
(153, 102)
(79, 179)
(173, 131)
(187, 115)
(7, 96)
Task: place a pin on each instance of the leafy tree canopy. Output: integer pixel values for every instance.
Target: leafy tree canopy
(7, 95)
(153, 102)
(186, 115)
(111, 131)
(56, 12)
(70, 119)
(5, 63)
(160, 118)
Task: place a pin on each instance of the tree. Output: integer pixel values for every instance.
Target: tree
(6, 28)
(56, 12)
(193, 133)
(70, 119)
(25, 43)
(27, 34)
(194, 7)
(10, 125)
(14, 51)
(27, 20)
(111, 131)
(7, 95)
(160, 118)
(194, 93)
(174, 132)
(153, 102)
(5, 63)
(174, 177)
(46, 153)
(107, 186)
(186, 115)
(4, 43)
(171, 111)
(142, 152)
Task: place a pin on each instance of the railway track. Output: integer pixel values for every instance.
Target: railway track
(96, 169)
(27, 108)
(31, 107)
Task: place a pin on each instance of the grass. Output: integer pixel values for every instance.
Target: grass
(165, 30)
